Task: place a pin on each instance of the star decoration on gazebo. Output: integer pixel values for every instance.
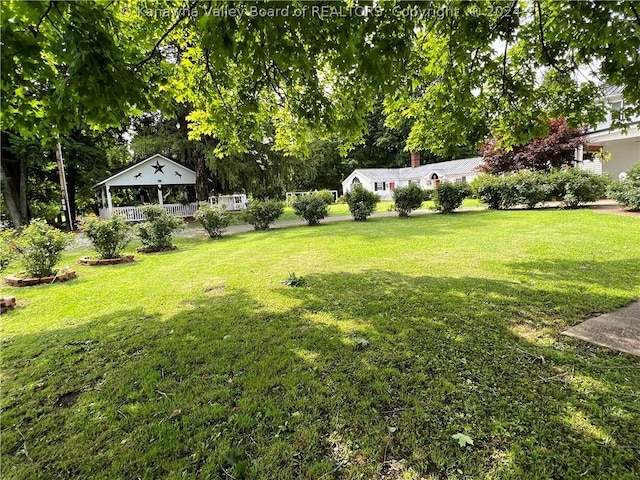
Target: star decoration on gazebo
(158, 167)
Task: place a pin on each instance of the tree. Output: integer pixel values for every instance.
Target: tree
(555, 150)
(458, 70)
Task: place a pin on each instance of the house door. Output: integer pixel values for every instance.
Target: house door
(392, 185)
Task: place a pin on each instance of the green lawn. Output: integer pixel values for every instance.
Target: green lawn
(200, 363)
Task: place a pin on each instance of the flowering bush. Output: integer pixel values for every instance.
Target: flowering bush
(109, 237)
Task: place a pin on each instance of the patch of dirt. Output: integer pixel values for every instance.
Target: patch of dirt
(215, 290)
(67, 399)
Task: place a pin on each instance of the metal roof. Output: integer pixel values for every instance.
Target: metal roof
(450, 168)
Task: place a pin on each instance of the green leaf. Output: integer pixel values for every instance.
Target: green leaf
(463, 440)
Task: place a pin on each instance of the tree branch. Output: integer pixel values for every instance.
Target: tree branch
(151, 54)
(635, 12)
(543, 43)
(36, 30)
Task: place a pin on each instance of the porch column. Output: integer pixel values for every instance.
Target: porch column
(103, 198)
(109, 204)
(160, 196)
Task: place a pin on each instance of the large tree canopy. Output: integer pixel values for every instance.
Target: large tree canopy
(459, 69)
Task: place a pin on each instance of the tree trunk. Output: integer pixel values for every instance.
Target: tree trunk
(11, 199)
(23, 205)
(202, 177)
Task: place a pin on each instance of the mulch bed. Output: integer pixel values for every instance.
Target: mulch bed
(105, 261)
(28, 282)
(155, 250)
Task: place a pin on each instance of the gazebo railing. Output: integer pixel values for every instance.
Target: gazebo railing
(134, 214)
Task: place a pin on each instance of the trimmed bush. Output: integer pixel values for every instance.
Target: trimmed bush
(492, 190)
(326, 195)
(261, 214)
(527, 188)
(109, 237)
(573, 186)
(311, 208)
(156, 233)
(627, 192)
(407, 199)
(40, 246)
(449, 196)
(213, 219)
(362, 203)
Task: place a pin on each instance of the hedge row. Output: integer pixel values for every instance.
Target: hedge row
(570, 186)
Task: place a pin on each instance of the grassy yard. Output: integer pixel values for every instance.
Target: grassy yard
(200, 363)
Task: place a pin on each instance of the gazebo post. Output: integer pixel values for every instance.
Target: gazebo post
(160, 196)
(109, 204)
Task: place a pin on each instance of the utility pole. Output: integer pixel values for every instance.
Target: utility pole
(63, 188)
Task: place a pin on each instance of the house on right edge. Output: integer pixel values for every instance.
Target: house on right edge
(624, 147)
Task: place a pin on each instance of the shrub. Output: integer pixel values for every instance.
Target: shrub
(261, 214)
(573, 186)
(526, 188)
(326, 195)
(627, 192)
(408, 199)
(449, 196)
(108, 237)
(492, 190)
(362, 203)
(156, 232)
(213, 219)
(7, 249)
(312, 208)
(40, 246)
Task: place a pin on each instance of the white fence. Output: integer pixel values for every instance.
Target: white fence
(134, 214)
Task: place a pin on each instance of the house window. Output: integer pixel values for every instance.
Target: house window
(379, 186)
(355, 180)
(616, 107)
(461, 180)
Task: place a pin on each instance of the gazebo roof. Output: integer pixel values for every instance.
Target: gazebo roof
(155, 170)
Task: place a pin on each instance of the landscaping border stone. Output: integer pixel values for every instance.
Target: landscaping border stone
(28, 282)
(7, 303)
(105, 261)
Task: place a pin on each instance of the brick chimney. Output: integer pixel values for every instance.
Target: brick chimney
(415, 159)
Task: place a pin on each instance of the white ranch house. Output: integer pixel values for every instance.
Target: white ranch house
(383, 181)
(160, 172)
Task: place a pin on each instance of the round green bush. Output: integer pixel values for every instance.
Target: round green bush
(407, 199)
(40, 246)
(157, 231)
(263, 213)
(449, 196)
(627, 192)
(109, 237)
(362, 203)
(311, 208)
(213, 219)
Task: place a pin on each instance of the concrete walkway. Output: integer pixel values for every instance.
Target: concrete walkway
(619, 330)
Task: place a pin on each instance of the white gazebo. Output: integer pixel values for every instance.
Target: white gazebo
(156, 171)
